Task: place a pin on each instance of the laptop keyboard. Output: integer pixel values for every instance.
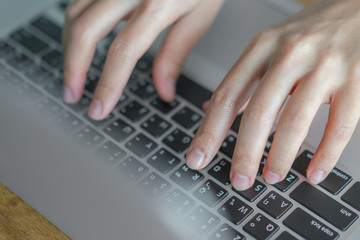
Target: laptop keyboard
(146, 139)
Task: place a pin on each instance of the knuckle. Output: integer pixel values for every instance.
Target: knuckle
(80, 31)
(258, 114)
(296, 121)
(106, 88)
(207, 139)
(326, 157)
(342, 130)
(244, 163)
(124, 49)
(224, 98)
(266, 35)
(355, 70)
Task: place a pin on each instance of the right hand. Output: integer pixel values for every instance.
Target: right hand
(88, 21)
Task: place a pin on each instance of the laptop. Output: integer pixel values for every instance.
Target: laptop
(125, 177)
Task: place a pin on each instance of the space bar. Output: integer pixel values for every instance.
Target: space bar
(324, 206)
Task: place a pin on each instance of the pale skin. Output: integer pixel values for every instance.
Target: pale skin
(314, 56)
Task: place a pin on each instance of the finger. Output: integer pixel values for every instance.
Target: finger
(88, 29)
(295, 122)
(242, 109)
(180, 40)
(261, 113)
(343, 117)
(135, 38)
(232, 93)
(74, 10)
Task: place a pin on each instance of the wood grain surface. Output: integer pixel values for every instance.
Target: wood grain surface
(19, 221)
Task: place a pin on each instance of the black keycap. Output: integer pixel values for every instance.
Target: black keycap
(9, 80)
(192, 91)
(225, 232)
(29, 41)
(99, 60)
(352, 196)
(301, 163)
(164, 107)
(154, 185)
(287, 183)
(134, 111)
(253, 192)
(236, 124)
(68, 121)
(145, 63)
(309, 227)
(336, 181)
(80, 106)
(187, 117)
(6, 50)
(269, 142)
(20, 62)
(201, 220)
(235, 210)
(54, 86)
(119, 130)
(92, 80)
(178, 140)
(210, 193)
(274, 205)
(98, 123)
(48, 107)
(132, 169)
(143, 89)
(89, 137)
(228, 146)
(37, 74)
(110, 153)
(156, 126)
(324, 206)
(286, 236)
(48, 27)
(186, 177)
(63, 5)
(163, 161)
(221, 171)
(261, 227)
(178, 202)
(123, 98)
(28, 93)
(141, 145)
(54, 58)
(261, 165)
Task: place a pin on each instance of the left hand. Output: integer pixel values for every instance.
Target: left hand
(314, 56)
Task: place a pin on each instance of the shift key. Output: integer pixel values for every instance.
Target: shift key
(324, 206)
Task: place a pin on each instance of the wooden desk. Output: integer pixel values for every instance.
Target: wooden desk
(19, 221)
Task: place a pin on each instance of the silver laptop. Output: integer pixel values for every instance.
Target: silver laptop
(125, 177)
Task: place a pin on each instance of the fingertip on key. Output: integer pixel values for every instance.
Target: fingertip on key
(239, 181)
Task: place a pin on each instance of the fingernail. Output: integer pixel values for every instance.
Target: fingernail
(95, 109)
(68, 95)
(316, 176)
(195, 158)
(240, 182)
(271, 177)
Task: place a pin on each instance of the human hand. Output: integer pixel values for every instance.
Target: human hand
(88, 21)
(314, 56)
